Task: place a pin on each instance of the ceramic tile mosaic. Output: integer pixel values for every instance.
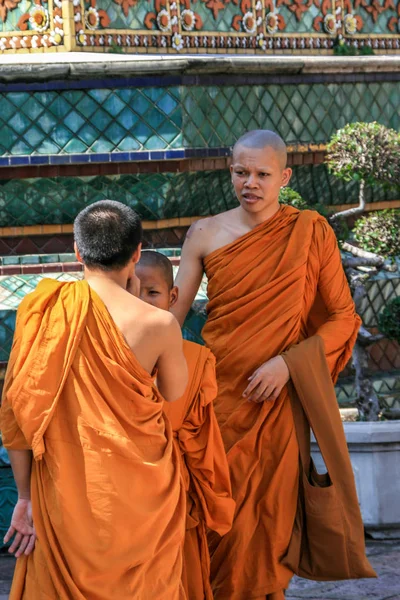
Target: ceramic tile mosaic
(92, 124)
(230, 25)
(218, 115)
(386, 386)
(155, 195)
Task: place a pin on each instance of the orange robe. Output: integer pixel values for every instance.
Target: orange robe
(204, 468)
(263, 290)
(108, 503)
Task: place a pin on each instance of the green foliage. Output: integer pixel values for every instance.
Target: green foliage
(365, 151)
(340, 48)
(289, 196)
(389, 320)
(115, 49)
(366, 51)
(343, 49)
(380, 233)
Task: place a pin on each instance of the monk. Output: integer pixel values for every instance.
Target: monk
(103, 492)
(269, 267)
(197, 436)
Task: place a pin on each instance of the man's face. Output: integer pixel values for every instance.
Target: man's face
(153, 287)
(257, 176)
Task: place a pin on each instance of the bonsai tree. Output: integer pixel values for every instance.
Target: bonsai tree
(368, 153)
(365, 152)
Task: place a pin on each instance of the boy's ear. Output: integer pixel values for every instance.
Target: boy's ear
(77, 254)
(137, 254)
(173, 296)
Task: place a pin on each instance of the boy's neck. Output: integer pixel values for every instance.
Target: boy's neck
(112, 278)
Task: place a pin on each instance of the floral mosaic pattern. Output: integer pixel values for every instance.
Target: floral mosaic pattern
(221, 25)
(31, 24)
(199, 26)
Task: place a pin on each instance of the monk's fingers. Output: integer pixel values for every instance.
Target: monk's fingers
(23, 545)
(31, 545)
(16, 542)
(252, 385)
(271, 394)
(9, 534)
(258, 394)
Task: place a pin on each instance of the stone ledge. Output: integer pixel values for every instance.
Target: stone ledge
(87, 65)
(382, 432)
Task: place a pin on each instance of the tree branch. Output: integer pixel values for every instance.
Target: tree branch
(357, 210)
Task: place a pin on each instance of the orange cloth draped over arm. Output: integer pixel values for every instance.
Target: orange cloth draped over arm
(204, 466)
(263, 289)
(107, 500)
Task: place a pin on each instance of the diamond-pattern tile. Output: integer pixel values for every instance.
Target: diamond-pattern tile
(156, 195)
(100, 120)
(105, 120)
(218, 115)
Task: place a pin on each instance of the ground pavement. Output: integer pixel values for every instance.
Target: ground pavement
(385, 557)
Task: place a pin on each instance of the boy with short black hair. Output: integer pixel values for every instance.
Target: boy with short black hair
(204, 464)
(103, 493)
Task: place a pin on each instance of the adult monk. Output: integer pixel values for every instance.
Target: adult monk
(103, 492)
(267, 265)
(198, 439)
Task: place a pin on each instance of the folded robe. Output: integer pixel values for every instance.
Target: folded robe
(108, 503)
(204, 468)
(268, 290)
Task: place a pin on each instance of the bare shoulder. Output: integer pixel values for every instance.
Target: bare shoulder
(203, 233)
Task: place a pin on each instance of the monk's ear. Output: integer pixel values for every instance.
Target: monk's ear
(286, 175)
(173, 296)
(77, 253)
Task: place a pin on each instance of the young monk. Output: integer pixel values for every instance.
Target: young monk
(103, 491)
(267, 265)
(197, 436)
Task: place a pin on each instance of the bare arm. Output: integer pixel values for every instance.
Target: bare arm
(21, 463)
(21, 523)
(190, 271)
(172, 377)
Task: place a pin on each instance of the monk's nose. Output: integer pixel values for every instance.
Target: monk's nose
(251, 181)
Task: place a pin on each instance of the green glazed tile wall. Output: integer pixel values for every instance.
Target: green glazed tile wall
(155, 195)
(129, 119)
(218, 115)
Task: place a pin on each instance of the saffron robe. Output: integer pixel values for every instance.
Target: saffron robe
(107, 499)
(268, 290)
(204, 468)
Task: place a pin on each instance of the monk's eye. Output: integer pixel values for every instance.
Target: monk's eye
(240, 173)
(264, 174)
(154, 293)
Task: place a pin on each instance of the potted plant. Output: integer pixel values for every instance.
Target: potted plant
(369, 153)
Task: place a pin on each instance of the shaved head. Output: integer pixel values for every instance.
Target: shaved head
(259, 139)
(151, 258)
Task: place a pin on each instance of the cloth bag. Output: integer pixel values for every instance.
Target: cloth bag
(327, 542)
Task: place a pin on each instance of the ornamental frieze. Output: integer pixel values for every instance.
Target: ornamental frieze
(200, 26)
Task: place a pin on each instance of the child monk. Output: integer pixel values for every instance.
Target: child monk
(197, 435)
(103, 492)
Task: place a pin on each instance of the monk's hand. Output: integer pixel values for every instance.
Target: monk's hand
(133, 286)
(22, 529)
(267, 381)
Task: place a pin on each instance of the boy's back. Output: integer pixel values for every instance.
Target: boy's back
(152, 334)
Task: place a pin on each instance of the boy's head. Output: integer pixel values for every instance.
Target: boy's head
(155, 273)
(108, 236)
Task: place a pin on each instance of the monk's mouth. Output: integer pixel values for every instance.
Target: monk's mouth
(251, 198)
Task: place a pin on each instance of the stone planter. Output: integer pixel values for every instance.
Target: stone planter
(375, 455)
